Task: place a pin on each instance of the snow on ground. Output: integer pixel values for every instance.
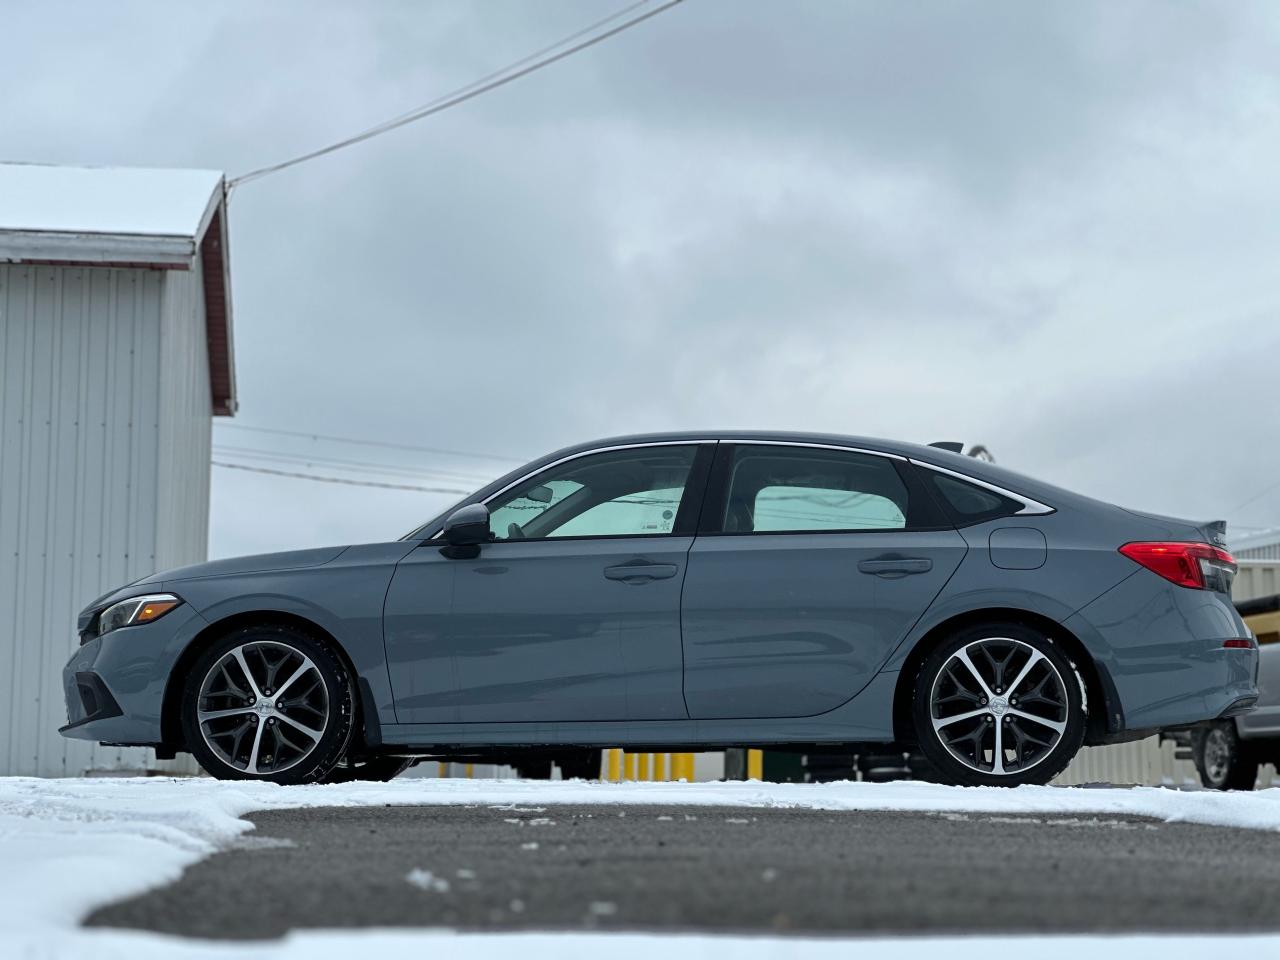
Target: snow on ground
(67, 846)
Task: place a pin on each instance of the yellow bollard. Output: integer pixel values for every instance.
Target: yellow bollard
(686, 767)
(628, 766)
(469, 769)
(443, 770)
(613, 768)
(660, 766)
(642, 766)
(755, 764)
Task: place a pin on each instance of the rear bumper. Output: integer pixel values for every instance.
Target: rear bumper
(1162, 647)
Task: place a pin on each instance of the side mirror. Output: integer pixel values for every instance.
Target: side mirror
(468, 526)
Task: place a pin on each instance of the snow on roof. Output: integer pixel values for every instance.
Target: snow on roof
(127, 217)
(124, 201)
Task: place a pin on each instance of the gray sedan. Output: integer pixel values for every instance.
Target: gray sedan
(684, 592)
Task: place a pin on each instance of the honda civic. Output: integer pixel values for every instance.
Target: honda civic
(687, 592)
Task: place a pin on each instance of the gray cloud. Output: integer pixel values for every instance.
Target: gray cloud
(1049, 227)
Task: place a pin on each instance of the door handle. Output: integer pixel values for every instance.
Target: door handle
(641, 571)
(893, 567)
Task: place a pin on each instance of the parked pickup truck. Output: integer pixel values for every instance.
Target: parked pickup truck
(1227, 753)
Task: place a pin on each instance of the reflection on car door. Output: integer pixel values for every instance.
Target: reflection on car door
(571, 614)
(813, 565)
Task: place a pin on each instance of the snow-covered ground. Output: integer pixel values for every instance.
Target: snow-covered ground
(67, 846)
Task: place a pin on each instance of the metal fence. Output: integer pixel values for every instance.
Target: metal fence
(1148, 762)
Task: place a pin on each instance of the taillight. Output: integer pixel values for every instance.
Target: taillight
(1196, 565)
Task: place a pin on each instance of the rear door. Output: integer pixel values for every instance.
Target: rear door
(810, 566)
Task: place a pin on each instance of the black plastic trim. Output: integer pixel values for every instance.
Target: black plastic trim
(369, 713)
(103, 705)
(1236, 707)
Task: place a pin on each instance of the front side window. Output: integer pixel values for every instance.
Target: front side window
(619, 493)
(799, 489)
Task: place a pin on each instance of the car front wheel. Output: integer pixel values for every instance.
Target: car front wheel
(268, 703)
(998, 705)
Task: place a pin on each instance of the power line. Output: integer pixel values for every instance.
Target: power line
(356, 466)
(1256, 496)
(368, 443)
(343, 480)
(514, 71)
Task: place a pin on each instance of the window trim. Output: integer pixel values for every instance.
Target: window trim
(686, 514)
(711, 522)
(1030, 507)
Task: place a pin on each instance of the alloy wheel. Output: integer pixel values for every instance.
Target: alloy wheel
(999, 706)
(263, 707)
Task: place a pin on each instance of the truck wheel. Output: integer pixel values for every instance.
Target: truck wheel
(1223, 761)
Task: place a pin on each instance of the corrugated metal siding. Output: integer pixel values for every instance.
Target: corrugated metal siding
(1256, 578)
(1147, 762)
(82, 477)
(186, 425)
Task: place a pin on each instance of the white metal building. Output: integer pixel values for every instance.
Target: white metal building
(115, 352)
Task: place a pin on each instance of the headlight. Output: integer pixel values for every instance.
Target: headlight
(136, 610)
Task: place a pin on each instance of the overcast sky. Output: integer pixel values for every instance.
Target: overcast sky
(1053, 228)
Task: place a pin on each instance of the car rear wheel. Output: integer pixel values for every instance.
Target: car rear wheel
(268, 703)
(998, 705)
(1222, 760)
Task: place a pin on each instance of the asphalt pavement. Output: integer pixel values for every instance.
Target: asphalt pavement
(716, 869)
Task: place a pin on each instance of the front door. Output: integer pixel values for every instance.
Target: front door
(572, 613)
(812, 566)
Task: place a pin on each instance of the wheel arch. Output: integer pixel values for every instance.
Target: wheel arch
(170, 714)
(1099, 691)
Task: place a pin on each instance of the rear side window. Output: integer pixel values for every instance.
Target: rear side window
(967, 502)
(799, 489)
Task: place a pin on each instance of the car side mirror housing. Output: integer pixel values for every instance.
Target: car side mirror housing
(468, 526)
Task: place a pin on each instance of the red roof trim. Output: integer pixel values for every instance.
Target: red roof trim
(213, 254)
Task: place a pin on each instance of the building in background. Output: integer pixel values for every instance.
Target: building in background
(115, 353)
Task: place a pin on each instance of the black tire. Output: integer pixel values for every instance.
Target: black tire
(1046, 729)
(1223, 761)
(328, 706)
(373, 769)
(533, 769)
(884, 767)
(829, 767)
(580, 764)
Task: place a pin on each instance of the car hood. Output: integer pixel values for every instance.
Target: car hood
(259, 563)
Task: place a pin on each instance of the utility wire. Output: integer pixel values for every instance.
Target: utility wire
(355, 466)
(520, 68)
(343, 480)
(368, 443)
(1255, 497)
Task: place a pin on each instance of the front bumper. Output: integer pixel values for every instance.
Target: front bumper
(115, 685)
(1162, 647)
